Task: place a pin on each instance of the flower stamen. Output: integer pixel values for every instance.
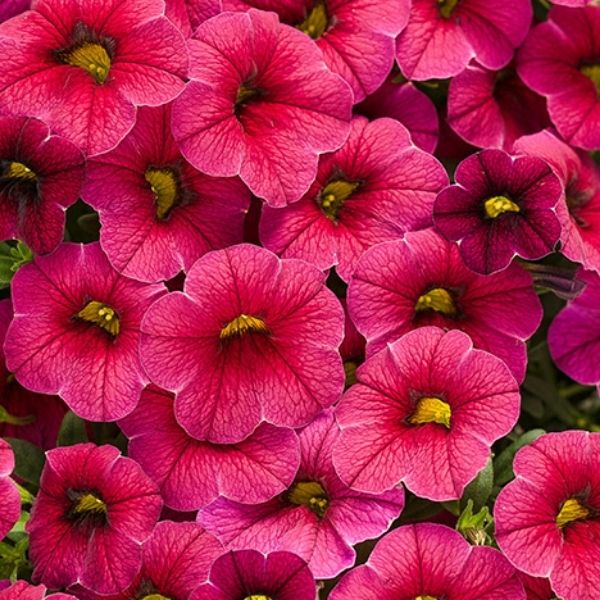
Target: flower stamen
(242, 325)
(334, 195)
(165, 187)
(101, 315)
(592, 71)
(499, 205)
(446, 8)
(571, 510)
(438, 300)
(19, 171)
(311, 494)
(431, 409)
(316, 22)
(88, 503)
(258, 597)
(92, 57)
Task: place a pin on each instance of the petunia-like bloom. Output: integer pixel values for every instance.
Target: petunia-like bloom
(422, 280)
(22, 590)
(537, 588)
(251, 338)
(375, 188)
(424, 412)
(165, 214)
(83, 66)
(355, 36)
(26, 415)
(93, 511)
(10, 500)
(548, 518)
(40, 177)
(76, 331)
(261, 105)
(189, 14)
(250, 575)
(560, 61)
(443, 36)
(10, 8)
(492, 109)
(191, 474)
(317, 517)
(499, 208)
(579, 211)
(428, 561)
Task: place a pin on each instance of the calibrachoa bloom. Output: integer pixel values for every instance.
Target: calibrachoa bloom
(318, 517)
(76, 331)
(191, 473)
(376, 187)
(189, 14)
(21, 590)
(93, 511)
(165, 214)
(425, 411)
(442, 37)
(355, 36)
(251, 338)
(40, 176)
(249, 575)
(547, 519)
(428, 561)
(499, 208)
(560, 61)
(261, 104)
(422, 280)
(84, 66)
(10, 500)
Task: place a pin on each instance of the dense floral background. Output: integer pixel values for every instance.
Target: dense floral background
(299, 299)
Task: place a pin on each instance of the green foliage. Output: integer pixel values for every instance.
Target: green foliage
(12, 257)
(72, 430)
(29, 461)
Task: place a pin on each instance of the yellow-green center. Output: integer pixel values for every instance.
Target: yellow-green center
(17, 170)
(101, 315)
(243, 325)
(571, 510)
(425, 598)
(155, 597)
(311, 494)
(258, 597)
(164, 186)
(431, 409)
(499, 205)
(88, 503)
(592, 72)
(446, 7)
(92, 57)
(334, 195)
(438, 300)
(316, 22)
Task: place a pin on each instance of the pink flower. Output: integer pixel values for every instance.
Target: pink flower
(579, 211)
(40, 177)
(250, 575)
(92, 512)
(318, 517)
(10, 500)
(166, 214)
(22, 590)
(76, 331)
(422, 280)
(427, 399)
(492, 109)
(499, 208)
(547, 519)
(191, 474)
(376, 187)
(537, 588)
(251, 338)
(261, 105)
(430, 561)
(355, 36)
(84, 67)
(189, 14)
(560, 61)
(442, 37)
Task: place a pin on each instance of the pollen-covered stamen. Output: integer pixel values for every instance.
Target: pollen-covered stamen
(243, 325)
(334, 195)
(101, 315)
(316, 22)
(165, 187)
(89, 503)
(425, 598)
(499, 205)
(431, 409)
(18, 171)
(155, 597)
(572, 510)
(592, 71)
(258, 597)
(438, 300)
(311, 494)
(447, 7)
(92, 57)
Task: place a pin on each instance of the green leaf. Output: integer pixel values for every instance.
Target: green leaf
(480, 489)
(12, 258)
(29, 460)
(475, 526)
(503, 463)
(72, 430)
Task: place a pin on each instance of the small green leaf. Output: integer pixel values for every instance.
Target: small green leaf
(72, 431)
(480, 489)
(503, 463)
(12, 258)
(29, 460)
(475, 526)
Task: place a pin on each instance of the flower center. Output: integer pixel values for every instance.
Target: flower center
(571, 510)
(592, 71)
(438, 300)
(317, 21)
(431, 409)
(242, 325)
(92, 57)
(498, 205)
(247, 93)
(155, 597)
(101, 315)
(88, 503)
(334, 195)
(87, 508)
(165, 187)
(17, 170)
(425, 598)
(311, 494)
(446, 8)
(258, 597)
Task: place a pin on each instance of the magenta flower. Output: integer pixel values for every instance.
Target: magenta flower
(189, 14)
(429, 399)
(442, 37)
(355, 36)
(249, 575)
(166, 214)
(560, 61)
(261, 105)
(422, 280)
(428, 561)
(191, 474)
(40, 177)
(251, 338)
(76, 331)
(376, 187)
(499, 208)
(537, 588)
(10, 8)
(84, 67)
(10, 500)
(22, 590)
(318, 517)
(92, 512)
(579, 212)
(492, 109)
(547, 519)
